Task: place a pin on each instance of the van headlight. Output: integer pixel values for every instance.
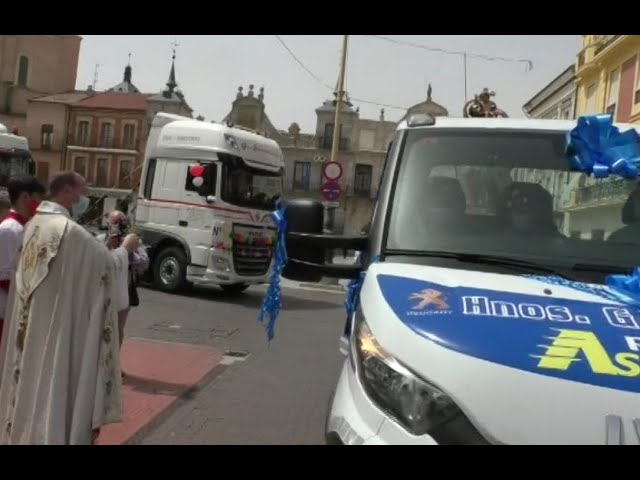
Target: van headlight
(417, 405)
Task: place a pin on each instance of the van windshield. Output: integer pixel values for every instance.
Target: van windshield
(511, 194)
(14, 164)
(249, 187)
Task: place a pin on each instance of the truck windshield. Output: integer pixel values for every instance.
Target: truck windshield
(249, 187)
(511, 194)
(14, 164)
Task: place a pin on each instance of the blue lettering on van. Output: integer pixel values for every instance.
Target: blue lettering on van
(521, 330)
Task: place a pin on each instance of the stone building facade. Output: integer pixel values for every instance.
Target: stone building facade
(34, 66)
(362, 150)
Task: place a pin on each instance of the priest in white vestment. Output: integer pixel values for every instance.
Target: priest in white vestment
(60, 371)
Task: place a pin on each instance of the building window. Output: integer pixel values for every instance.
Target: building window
(301, 175)
(106, 135)
(83, 132)
(126, 172)
(102, 172)
(367, 139)
(326, 142)
(46, 136)
(23, 71)
(42, 172)
(566, 110)
(362, 179)
(590, 107)
(80, 166)
(129, 136)
(614, 90)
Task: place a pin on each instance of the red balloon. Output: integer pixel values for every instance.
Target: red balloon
(196, 170)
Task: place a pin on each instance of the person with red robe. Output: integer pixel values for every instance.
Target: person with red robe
(25, 194)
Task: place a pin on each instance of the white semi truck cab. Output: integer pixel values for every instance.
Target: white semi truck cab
(204, 204)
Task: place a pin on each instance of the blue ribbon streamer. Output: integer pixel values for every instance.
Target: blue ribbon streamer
(595, 146)
(273, 299)
(353, 292)
(628, 285)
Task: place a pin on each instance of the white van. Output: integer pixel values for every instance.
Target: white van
(484, 316)
(204, 204)
(15, 156)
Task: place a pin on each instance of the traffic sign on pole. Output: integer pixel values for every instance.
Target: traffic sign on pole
(332, 171)
(331, 191)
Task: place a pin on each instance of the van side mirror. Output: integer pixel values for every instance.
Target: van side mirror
(307, 246)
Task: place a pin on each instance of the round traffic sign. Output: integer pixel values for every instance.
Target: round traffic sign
(332, 171)
(331, 191)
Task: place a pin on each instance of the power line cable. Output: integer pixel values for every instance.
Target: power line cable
(324, 84)
(528, 66)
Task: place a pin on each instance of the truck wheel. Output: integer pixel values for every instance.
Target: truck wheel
(235, 288)
(170, 270)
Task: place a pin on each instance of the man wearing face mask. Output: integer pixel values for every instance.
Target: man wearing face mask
(25, 194)
(60, 365)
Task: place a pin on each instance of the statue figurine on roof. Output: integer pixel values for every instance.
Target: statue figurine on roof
(483, 107)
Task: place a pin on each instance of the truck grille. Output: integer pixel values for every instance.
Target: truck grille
(250, 261)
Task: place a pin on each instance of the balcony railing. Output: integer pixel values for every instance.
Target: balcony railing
(606, 190)
(325, 143)
(604, 41)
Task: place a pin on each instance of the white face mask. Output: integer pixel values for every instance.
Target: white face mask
(80, 207)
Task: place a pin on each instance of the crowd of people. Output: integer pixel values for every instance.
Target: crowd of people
(64, 299)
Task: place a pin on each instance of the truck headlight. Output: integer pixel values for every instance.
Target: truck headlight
(418, 406)
(220, 263)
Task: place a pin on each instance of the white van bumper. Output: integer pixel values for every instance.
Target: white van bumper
(353, 419)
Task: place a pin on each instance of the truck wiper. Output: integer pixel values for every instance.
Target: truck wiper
(514, 263)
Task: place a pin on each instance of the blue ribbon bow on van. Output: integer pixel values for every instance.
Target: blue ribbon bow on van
(597, 147)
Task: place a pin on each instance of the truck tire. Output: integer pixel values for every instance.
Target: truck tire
(170, 270)
(234, 288)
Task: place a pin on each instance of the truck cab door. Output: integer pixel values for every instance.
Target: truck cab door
(197, 214)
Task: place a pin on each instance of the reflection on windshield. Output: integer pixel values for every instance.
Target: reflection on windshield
(250, 187)
(511, 194)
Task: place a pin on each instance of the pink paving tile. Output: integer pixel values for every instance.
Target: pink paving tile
(156, 374)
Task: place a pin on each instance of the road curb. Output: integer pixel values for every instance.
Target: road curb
(320, 286)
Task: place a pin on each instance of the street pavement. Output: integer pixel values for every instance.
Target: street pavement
(228, 384)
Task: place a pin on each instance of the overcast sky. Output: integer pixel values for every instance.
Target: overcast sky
(209, 69)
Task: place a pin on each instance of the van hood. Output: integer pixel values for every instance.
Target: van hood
(569, 348)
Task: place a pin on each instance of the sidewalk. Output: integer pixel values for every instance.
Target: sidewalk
(156, 375)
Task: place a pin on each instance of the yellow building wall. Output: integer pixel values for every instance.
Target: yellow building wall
(594, 68)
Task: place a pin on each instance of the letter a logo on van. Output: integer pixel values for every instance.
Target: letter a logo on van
(429, 297)
(569, 346)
